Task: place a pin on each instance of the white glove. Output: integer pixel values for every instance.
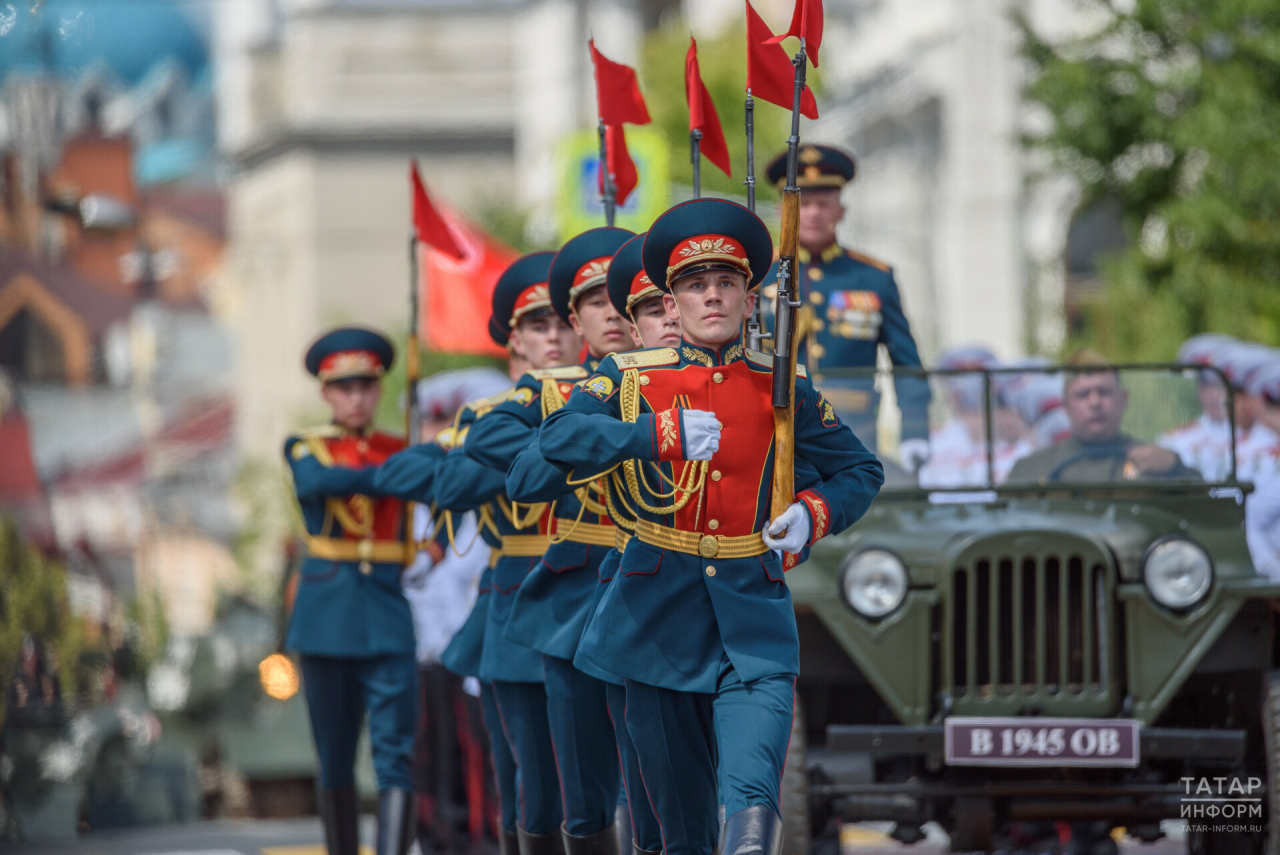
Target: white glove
(913, 453)
(790, 531)
(415, 575)
(701, 434)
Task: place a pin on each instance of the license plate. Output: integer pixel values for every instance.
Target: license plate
(1041, 742)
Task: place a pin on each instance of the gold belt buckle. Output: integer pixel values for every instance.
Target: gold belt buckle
(708, 546)
(364, 549)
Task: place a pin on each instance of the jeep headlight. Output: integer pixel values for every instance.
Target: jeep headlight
(1178, 573)
(874, 583)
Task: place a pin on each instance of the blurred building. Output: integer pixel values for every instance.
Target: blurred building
(321, 105)
(116, 367)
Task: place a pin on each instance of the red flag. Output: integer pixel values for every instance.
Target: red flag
(456, 292)
(770, 75)
(806, 23)
(618, 97)
(428, 225)
(702, 112)
(619, 163)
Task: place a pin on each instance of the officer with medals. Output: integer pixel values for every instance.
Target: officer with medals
(851, 305)
(531, 478)
(551, 605)
(351, 623)
(698, 620)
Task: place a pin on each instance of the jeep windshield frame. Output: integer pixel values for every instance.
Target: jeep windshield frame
(992, 490)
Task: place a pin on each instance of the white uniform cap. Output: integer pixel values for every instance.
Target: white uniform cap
(441, 395)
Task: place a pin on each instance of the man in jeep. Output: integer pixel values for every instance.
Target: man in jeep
(1097, 451)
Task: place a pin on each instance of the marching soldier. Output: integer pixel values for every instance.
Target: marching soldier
(551, 605)
(351, 623)
(852, 305)
(522, 303)
(586, 703)
(698, 620)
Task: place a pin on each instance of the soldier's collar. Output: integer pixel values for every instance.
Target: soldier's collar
(347, 432)
(696, 354)
(827, 255)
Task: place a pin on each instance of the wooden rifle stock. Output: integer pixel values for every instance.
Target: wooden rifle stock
(784, 361)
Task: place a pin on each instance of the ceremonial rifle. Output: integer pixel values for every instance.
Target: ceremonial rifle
(785, 316)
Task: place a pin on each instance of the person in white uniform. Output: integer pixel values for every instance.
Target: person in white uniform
(1262, 513)
(441, 587)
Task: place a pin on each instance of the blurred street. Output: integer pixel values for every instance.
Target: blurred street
(302, 837)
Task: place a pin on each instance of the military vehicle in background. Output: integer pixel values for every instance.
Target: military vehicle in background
(1014, 638)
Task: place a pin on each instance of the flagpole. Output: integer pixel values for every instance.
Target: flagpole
(412, 368)
(751, 152)
(695, 156)
(608, 192)
(755, 334)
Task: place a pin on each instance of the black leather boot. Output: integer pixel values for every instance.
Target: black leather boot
(622, 828)
(395, 821)
(603, 842)
(339, 811)
(756, 830)
(540, 844)
(508, 843)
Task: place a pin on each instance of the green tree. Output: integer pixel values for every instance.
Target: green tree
(33, 599)
(1172, 109)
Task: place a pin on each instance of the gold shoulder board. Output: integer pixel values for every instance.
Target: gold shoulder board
(766, 361)
(569, 372)
(650, 358)
(866, 259)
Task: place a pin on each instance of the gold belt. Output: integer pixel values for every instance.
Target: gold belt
(595, 534)
(365, 551)
(524, 545)
(620, 539)
(704, 545)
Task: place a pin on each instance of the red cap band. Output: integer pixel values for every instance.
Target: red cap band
(350, 363)
(709, 250)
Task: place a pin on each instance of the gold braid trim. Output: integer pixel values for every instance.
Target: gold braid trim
(511, 510)
(355, 518)
(552, 400)
(629, 399)
(625, 521)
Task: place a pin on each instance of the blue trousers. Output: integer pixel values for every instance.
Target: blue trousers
(678, 736)
(586, 751)
(645, 831)
(339, 691)
(523, 710)
(504, 763)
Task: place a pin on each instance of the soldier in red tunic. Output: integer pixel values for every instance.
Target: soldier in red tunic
(351, 623)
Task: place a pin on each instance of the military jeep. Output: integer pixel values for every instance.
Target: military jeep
(1027, 635)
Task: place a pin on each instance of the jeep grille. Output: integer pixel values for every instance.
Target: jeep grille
(1031, 632)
